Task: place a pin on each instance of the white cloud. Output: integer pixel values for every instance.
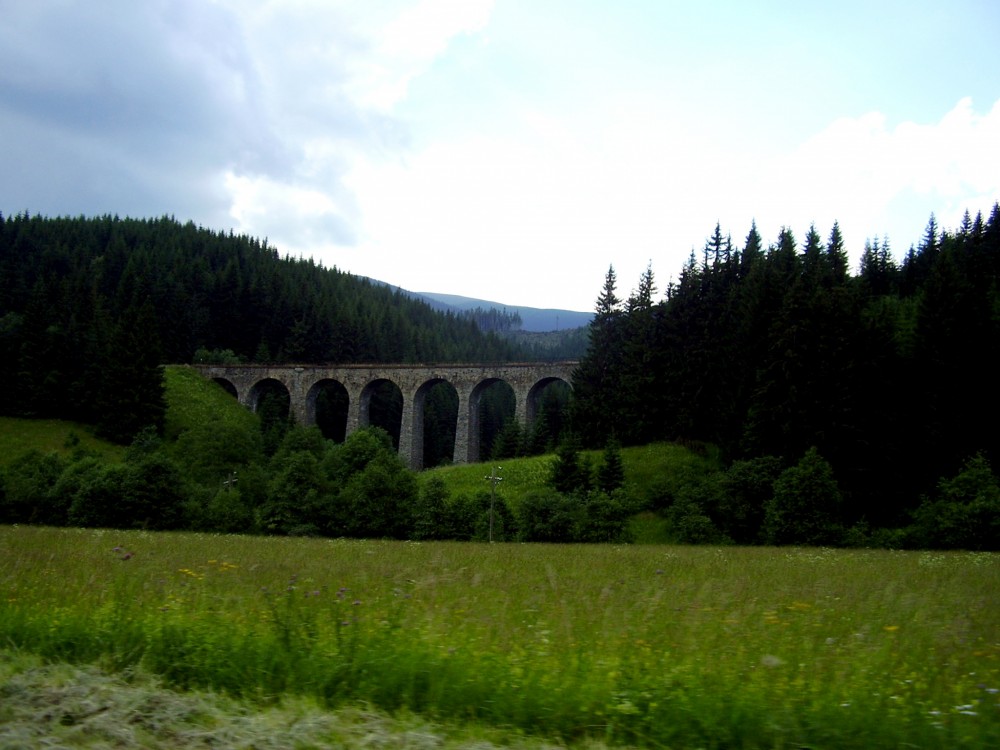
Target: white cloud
(400, 47)
(555, 201)
(865, 173)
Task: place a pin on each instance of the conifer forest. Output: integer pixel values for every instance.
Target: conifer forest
(846, 405)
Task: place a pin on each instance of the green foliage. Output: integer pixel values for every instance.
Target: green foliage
(611, 473)
(92, 308)
(30, 494)
(153, 493)
(20, 436)
(216, 357)
(964, 513)
(806, 505)
(377, 501)
(605, 518)
(431, 518)
(296, 496)
(196, 402)
(571, 470)
(510, 442)
(211, 454)
(768, 350)
(546, 515)
(355, 453)
(225, 512)
(469, 518)
(97, 499)
(747, 487)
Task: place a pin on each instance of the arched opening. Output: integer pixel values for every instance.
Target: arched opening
(227, 386)
(547, 410)
(440, 418)
(270, 399)
(497, 407)
(327, 405)
(382, 406)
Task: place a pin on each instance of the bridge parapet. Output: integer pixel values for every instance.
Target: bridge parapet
(303, 383)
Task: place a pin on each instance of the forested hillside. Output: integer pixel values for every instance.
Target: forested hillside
(91, 307)
(770, 351)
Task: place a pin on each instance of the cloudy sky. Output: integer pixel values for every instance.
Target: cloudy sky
(509, 150)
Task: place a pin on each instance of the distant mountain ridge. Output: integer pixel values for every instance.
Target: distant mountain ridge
(533, 319)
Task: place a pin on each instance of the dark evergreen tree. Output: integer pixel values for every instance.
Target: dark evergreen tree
(570, 473)
(595, 382)
(611, 473)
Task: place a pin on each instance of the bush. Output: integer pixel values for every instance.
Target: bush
(28, 494)
(469, 518)
(153, 494)
(605, 518)
(806, 505)
(964, 514)
(296, 496)
(98, 497)
(210, 453)
(377, 501)
(690, 524)
(549, 516)
(746, 488)
(227, 513)
(430, 517)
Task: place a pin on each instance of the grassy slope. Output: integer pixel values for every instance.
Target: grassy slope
(650, 470)
(191, 401)
(19, 436)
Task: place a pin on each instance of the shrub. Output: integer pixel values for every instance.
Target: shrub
(430, 517)
(805, 508)
(377, 501)
(153, 493)
(469, 518)
(549, 516)
(295, 497)
(746, 488)
(605, 518)
(28, 494)
(97, 500)
(964, 514)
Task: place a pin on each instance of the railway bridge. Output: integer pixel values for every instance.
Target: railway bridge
(305, 382)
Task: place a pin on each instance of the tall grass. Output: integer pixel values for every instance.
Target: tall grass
(655, 646)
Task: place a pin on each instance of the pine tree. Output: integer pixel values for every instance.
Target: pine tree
(596, 379)
(611, 474)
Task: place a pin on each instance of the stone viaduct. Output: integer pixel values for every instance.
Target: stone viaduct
(304, 383)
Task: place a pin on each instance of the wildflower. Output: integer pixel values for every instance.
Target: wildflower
(891, 628)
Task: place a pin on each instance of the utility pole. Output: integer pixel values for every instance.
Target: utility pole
(494, 478)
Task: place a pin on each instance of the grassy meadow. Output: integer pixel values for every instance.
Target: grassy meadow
(654, 646)
(649, 469)
(19, 436)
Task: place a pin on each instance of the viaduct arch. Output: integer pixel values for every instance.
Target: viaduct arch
(304, 383)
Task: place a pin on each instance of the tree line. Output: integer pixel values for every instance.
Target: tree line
(90, 308)
(778, 354)
(218, 478)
